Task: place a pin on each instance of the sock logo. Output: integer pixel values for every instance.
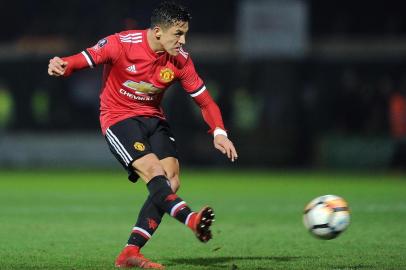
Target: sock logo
(171, 197)
(152, 224)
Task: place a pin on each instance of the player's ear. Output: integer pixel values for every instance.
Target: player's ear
(157, 32)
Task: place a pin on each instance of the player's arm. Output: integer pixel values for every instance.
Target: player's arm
(67, 65)
(212, 116)
(194, 85)
(105, 51)
(57, 67)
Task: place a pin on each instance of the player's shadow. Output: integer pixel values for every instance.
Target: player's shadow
(220, 261)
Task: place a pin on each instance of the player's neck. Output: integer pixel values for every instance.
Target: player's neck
(153, 42)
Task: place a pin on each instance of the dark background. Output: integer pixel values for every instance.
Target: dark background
(329, 108)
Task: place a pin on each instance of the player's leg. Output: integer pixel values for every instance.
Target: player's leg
(151, 170)
(127, 141)
(150, 215)
(199, 222)
(171, 168)
(163, 144)
(158, 184)
(129, 137)
(148, 220)
(163, 165)
(127, 144)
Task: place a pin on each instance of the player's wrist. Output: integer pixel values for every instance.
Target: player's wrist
(219, 131)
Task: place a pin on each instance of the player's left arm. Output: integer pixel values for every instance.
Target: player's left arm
(212, 116)
(194, 85)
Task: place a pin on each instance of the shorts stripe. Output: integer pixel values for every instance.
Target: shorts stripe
(119, 145)
(118, 151)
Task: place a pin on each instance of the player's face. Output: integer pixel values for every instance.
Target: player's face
(174, 37)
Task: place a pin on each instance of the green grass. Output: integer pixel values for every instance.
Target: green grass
(81, 220)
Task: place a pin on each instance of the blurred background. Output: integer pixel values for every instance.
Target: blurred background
(301, 84)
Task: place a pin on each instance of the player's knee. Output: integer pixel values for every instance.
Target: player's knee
(148, 168)
(154, 170)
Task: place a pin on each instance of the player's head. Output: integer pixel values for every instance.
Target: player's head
(170, 23)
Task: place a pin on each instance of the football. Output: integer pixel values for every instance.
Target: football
(327, 216)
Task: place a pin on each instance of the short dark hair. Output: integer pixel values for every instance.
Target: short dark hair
(168, 13)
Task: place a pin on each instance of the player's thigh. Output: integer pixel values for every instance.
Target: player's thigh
(128, 141)
(163, 142)
(164, 146)
(171, 168)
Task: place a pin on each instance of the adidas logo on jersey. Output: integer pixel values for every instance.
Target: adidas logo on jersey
(132, 69)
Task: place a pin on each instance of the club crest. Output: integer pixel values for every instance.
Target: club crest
(139, 146)
(166, 75)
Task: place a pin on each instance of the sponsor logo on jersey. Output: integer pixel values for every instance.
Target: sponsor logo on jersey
(139, 146)
(166, 75)
(142, 87)
(132, 69)
(137, 97)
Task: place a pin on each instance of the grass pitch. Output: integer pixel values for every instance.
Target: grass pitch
(81, 220)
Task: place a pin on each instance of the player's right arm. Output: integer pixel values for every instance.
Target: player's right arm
(107, 50)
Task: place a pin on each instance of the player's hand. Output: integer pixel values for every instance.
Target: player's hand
(224, 145)
(57, 67)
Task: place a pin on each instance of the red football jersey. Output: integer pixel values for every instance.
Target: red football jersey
(135, 78)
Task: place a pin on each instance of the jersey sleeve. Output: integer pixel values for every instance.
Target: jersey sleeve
(210, 111)
(195, 87)
(106, 51)
(189, 78)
